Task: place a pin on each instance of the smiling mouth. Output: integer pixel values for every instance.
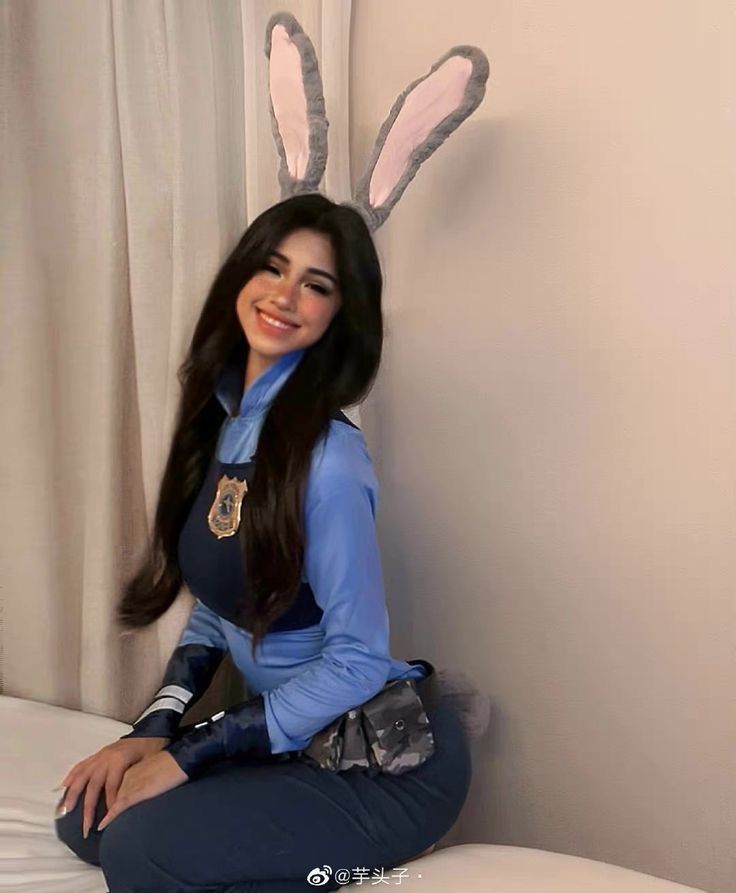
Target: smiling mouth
(275, 323)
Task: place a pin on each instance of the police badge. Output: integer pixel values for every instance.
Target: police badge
(223, 517)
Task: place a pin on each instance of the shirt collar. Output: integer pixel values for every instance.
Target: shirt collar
(261, 391)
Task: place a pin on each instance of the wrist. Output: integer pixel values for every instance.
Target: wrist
(238, 732)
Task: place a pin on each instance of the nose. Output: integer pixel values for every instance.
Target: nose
(287, 295)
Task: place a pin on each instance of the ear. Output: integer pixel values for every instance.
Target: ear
(297, 105)
(420, 120)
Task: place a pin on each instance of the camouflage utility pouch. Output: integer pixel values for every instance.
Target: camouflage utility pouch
(390, 733)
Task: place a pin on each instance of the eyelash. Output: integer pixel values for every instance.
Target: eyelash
(320, 288)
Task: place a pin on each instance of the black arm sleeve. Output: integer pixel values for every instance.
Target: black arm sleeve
(188, 675)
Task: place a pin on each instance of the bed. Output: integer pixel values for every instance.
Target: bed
(40, 742)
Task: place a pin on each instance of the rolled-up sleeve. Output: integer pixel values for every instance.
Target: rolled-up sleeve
(343, 568)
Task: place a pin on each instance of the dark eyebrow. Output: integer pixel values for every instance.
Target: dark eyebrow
(316, 270)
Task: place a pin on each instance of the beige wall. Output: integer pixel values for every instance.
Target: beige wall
(557, 462)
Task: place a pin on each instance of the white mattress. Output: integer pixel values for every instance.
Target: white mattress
(39, 743)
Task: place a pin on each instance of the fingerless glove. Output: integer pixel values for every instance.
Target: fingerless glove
(188, 675)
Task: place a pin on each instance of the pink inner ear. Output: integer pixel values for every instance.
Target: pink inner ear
(432, 100)
(289, 100)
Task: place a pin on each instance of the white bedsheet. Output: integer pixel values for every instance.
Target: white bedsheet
(39, 743)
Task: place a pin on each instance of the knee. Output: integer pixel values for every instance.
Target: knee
(69, 831)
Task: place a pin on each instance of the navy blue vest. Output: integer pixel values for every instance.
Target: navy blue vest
(213, 568)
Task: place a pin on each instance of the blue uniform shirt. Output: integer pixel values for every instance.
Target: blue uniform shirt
(330, 651)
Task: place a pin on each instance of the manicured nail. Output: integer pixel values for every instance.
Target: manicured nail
(61, 811)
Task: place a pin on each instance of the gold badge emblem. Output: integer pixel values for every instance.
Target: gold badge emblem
(224, 514)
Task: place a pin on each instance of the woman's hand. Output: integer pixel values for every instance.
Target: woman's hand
(105, 768)
(154, 775)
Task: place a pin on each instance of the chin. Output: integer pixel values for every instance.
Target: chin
(268, 350)
(266, 347)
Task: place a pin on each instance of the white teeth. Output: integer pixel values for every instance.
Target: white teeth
(276, 322)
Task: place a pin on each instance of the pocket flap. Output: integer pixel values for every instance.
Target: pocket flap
(399, 728)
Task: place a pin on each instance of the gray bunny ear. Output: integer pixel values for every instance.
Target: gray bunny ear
(420, 120)
(297, 105)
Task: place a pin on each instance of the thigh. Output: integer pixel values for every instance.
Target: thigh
(241, 823)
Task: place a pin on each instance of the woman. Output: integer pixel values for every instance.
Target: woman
(266, 473)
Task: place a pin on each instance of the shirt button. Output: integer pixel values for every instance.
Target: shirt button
(399, 724)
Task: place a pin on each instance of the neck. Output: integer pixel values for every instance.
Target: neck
(256, 365)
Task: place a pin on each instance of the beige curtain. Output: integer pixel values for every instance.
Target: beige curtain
(136, 148)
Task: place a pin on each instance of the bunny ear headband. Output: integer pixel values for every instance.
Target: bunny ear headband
(420, 120)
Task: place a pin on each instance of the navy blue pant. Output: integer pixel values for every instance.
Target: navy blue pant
(247, 827)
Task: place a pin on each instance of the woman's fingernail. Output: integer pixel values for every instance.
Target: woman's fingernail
(61, 811)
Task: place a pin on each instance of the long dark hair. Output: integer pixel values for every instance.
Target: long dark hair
(336, 371)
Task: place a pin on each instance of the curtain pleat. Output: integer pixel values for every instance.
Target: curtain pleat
(137, 147)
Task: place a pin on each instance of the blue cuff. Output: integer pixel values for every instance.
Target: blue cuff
(239, 731)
